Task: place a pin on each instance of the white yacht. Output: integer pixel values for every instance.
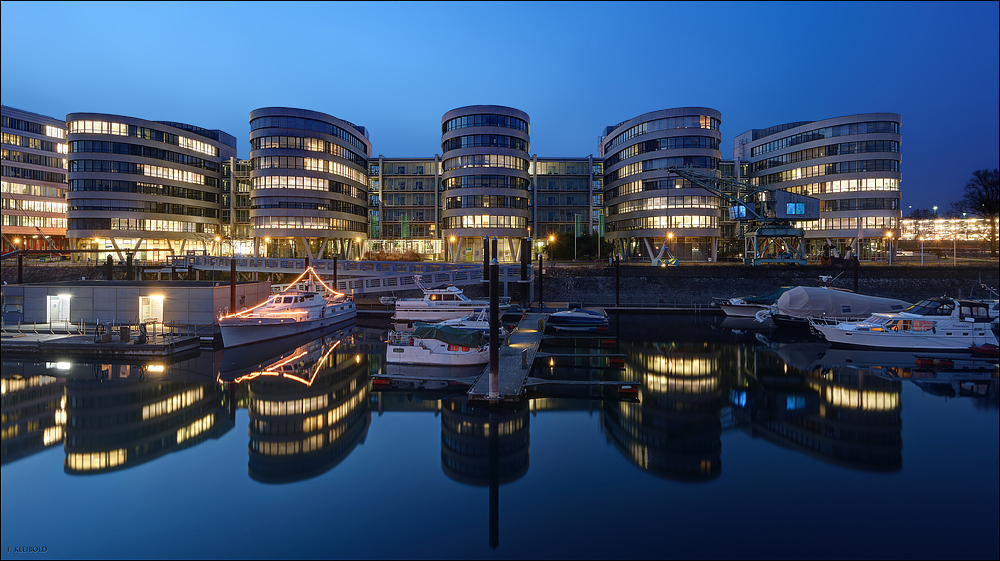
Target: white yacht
(297, 309)
(942, 324)
(442, 303)
(438, 346)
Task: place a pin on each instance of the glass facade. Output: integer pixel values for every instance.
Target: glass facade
(33, 192)
(642, 217)
(308, 183)
(153, 188)
(856, 177)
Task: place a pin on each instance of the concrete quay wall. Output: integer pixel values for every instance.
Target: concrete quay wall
(697, 285)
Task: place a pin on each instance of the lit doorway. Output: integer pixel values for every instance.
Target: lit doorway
(58, 310)
(150, 309)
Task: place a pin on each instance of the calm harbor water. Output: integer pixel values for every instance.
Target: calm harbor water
(742, 444)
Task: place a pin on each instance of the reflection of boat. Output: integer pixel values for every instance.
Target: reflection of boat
(298, 363)
(289, 312)
(578, 319)
(441, 346)
(935, 324)
(441, 303)
(793, 308)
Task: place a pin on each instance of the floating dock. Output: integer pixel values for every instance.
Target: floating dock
(518, 351)
(85, 347)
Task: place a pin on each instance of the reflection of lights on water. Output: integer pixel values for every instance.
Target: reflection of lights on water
(63, 365)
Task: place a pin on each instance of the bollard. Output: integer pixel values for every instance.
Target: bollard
(524, 359)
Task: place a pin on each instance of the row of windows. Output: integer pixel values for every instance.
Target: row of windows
(859, 204)
(867, 223)
(121, 186)
(33, 174)
(302, 123)
(33, 159)
(151, 207)
(564, 184)
(140, 225)
(32, 190)
(564, 168)
(327, 205)
(703, 162)
(846, 186)
(105, 147)
(307, 223)
(669, 143)
(34, 128)
(405, 185)
(563, 215)
(477, 140)
(663, 222)
(405, 216)
(33, 143)
(685, 122)
(306, 143)
(121, 129)
(855, 166)
(410, 168)
(564, 200)
(33, 206)
(648, 185)
(486, 161)
(307, 183)
(486, 201)
(415, 199)
(485, 221)
(33, 221)
(486, 182)
(311, 164)
(658, 203)
(825, 151)
(488, 120)
(826, 132)
(105, 166)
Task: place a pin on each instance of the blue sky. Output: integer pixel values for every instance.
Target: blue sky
(395, 68)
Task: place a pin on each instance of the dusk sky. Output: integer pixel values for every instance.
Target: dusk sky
(395, 68)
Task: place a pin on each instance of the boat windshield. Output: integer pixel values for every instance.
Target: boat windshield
(931, 308)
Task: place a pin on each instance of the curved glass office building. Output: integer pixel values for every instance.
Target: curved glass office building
(309, 184)
(149, 187)
(647, 206)
(485, 179)
(851, 164)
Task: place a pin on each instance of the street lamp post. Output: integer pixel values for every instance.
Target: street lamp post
(921, 251)
(888, 236)
(552, 240)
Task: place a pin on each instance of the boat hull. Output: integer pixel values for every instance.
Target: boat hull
(237, 332)
(418, 355)
(432, 314)
(741, 310)
(922, 341)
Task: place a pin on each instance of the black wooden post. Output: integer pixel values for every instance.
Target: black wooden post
(20, 267)
(541, 290)
(618, 282)
(129, 272)
(494, 394)
(232, 285)
(486, 259)
(109, 269)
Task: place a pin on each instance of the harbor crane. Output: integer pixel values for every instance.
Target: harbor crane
(766, 217)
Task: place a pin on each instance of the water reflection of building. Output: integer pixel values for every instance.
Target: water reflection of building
(309, 419)
(858, 423)
(117, 420)
(675, 431)
(465, 442)
(34, 413)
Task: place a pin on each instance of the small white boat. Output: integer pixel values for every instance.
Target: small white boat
(439, 346)
(578, 319)
(941, 324)
(290, 312)
(439, 304)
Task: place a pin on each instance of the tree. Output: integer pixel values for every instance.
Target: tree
(982, 199)
(921, 214)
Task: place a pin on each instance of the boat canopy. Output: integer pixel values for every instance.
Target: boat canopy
(813, 301)
(449, 335)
